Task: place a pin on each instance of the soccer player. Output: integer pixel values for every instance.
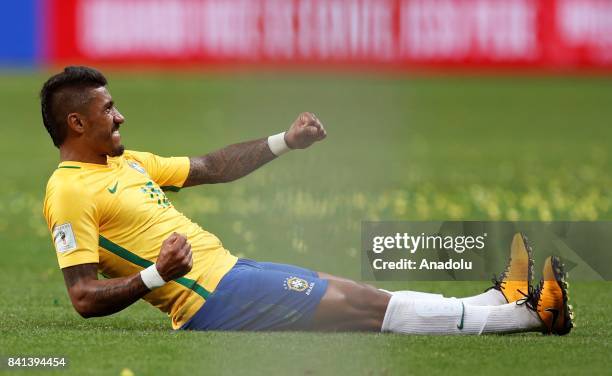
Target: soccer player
(108, 214)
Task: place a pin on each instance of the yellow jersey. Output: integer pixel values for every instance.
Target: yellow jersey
(117, 215)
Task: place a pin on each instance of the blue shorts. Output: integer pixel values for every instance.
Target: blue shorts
(261, 296)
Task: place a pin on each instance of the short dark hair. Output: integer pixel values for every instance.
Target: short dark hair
(64, 93)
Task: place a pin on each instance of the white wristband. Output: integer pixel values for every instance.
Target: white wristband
(277, 144)
(151, 278)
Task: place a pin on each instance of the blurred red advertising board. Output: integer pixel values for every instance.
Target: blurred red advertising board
(543, 34)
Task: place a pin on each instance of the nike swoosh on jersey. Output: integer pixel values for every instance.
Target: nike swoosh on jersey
(113, 189)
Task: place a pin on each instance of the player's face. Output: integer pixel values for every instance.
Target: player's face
(103, 121)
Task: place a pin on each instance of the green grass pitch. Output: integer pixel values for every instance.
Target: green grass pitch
(413, 148)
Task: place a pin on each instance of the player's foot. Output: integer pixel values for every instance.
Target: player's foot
(516, 280)
(550, 299)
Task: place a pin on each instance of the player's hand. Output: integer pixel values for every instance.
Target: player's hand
(304, 131)
(175, 259)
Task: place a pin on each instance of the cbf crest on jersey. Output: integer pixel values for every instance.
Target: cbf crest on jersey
(136, 167)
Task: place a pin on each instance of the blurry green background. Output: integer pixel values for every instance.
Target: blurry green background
(398, 148)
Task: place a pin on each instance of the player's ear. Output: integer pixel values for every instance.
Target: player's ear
(75, 122)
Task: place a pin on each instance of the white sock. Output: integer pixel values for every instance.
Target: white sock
(414, 294)
(491, 297)
(451, 316)
(511, 318)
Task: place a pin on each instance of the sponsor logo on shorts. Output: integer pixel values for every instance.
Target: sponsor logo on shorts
(298, 284)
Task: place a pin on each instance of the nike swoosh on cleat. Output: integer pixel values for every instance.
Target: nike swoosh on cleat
(460, 325)
(555, 313)
(113, 189)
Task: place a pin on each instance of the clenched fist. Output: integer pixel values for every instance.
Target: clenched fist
(304, 131)
(175, 258)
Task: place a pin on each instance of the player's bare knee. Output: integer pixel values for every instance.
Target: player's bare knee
(367, 299)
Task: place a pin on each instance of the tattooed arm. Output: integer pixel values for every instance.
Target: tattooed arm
(92, 297)
(230, 163)
(238, 160)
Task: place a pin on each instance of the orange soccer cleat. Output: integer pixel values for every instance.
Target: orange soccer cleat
(516, 280)
(550, 299)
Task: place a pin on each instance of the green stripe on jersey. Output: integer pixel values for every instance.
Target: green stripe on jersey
(69, 167)
(137, 260)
